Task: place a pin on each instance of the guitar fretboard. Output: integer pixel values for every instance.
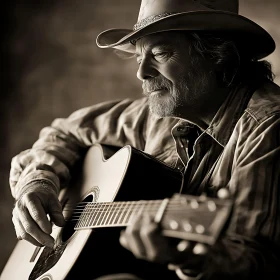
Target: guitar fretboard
(112, 214)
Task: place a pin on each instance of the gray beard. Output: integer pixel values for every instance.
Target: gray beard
(163, 106)
(168, 105)
(173, 104)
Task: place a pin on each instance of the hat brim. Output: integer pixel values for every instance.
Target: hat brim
(252, 36)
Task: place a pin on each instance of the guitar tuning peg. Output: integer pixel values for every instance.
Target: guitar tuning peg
(223, 193)
(199, 229)
(173, 224)
(187, 226)
(211, 205)
(194, 204)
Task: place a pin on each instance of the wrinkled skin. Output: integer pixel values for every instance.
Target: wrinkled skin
(30, 216)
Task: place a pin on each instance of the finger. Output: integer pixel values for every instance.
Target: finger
(31, 228)
(22, 234)
(55, 212)
(38, 213)
(156, 246)
(131, 238)
(123, 240)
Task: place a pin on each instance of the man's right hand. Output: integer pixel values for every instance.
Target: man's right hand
(30, 215)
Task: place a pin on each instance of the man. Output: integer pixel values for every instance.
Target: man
(202, 78)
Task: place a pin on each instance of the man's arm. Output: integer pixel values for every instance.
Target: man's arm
(37, 174)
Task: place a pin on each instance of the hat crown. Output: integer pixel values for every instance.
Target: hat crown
(150, 8)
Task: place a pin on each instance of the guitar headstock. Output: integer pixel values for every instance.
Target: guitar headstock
(196, 218)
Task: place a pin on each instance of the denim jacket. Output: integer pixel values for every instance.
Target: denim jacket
(240, 151)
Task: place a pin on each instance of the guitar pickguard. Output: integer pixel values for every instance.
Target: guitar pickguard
(48, 258)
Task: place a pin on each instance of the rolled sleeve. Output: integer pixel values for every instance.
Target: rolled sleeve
(63, 144)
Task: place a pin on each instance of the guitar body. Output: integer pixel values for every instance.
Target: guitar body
(127, 175)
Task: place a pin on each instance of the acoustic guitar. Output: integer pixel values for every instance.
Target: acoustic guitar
(112, 187)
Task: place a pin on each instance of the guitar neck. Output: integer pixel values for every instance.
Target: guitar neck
(114, 214)
(188, 217)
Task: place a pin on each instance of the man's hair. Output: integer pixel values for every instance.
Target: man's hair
(233, 63)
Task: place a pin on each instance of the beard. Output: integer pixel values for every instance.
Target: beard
(167, 102)
(181, 99)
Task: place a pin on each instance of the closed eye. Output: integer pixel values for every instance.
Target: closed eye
(162, 55)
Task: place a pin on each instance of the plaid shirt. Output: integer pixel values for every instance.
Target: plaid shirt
(240, 151)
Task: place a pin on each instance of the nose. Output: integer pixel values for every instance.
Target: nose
(146, 70)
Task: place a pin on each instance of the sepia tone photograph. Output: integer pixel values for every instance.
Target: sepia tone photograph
(140, 140)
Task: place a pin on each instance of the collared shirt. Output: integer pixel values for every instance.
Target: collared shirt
(240, 151)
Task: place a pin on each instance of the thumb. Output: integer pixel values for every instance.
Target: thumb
(55, 212)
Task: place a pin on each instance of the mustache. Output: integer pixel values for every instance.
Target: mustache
(154, 84)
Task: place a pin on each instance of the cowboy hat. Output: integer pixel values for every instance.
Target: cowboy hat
(193, 15)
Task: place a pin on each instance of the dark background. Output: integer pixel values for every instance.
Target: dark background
(51, 66)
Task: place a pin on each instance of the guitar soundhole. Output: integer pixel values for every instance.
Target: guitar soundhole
(68, 229)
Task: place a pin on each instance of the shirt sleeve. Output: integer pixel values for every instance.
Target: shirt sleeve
(251, 247)
(61, 145)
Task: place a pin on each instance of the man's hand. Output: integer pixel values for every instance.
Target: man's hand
(144, 239)
(30, 215)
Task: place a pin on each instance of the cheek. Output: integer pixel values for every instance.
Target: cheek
(176, 70)
(174, 74)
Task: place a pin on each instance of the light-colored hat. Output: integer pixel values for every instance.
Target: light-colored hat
(194, 15)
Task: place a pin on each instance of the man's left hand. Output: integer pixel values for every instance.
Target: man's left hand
(144, 239)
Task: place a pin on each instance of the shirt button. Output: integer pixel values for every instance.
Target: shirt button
(182, 129)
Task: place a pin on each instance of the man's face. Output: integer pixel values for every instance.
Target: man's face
(176, 84)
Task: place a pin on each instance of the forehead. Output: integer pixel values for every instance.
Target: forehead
(171, 39)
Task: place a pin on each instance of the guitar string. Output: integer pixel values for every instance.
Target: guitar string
(181, 199)
(91, 209)
(97, 209)
(154, 211)
(138, 201)
(100, 204)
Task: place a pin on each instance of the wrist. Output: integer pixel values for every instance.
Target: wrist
(37, 186)
(39, 178)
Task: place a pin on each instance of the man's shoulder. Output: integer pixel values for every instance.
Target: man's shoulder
(265, 102)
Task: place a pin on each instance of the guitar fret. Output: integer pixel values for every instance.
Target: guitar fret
(87, 215)
(128, 215)
(104, 214)
(109, 210)
(124, 213)
(111, 215)
(97, 214)
(81, 219)
(137, 210)
(117, 213)
(101, 212)
(92, 209)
